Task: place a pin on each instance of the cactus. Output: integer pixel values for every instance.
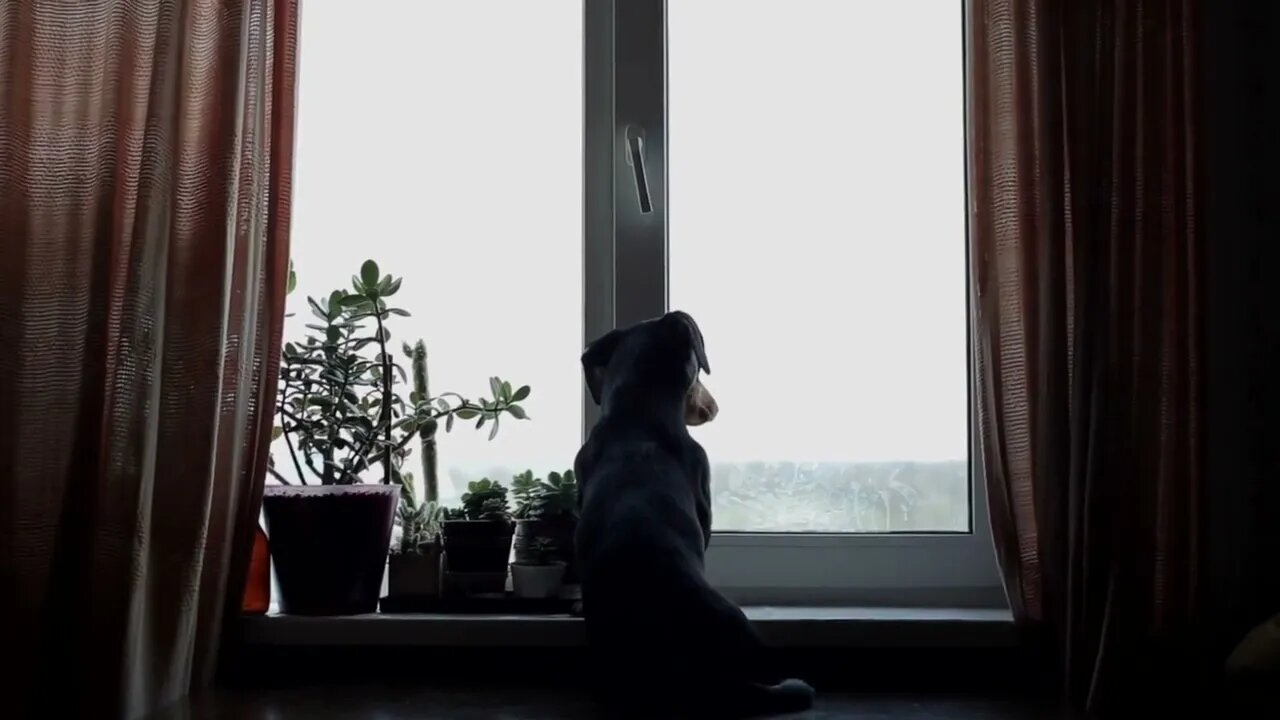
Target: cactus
(427, 434)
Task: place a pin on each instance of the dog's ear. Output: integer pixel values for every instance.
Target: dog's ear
(595, 361)
(696, 343)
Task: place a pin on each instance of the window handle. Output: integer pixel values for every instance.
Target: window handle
(635, 158)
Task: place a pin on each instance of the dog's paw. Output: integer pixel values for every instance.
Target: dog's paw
(789, 696)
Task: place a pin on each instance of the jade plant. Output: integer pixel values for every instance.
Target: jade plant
(341, 414)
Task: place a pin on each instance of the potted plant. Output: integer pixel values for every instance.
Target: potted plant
(540, 575)
(413, 568)
(477, 537)
(546, 510)
(343, 423)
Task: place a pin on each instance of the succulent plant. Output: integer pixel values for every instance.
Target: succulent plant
(483, 500)
(524, 489)
(538, 499)
(419, 522)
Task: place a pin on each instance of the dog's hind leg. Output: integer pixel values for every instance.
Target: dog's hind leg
(740, 679)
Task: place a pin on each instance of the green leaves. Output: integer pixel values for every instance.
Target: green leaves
(483, 500)
(342, 402)
(369, 274)
(538, 499)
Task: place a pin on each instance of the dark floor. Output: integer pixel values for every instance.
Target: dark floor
(402, 703)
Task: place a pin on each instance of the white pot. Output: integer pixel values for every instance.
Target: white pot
(537, 581)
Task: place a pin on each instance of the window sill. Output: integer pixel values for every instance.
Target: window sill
(779, 626)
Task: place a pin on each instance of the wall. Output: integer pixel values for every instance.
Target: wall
(1241, 222)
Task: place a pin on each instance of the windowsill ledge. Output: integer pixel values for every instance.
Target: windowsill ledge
(790, 626)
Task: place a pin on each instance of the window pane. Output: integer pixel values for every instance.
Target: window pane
(817, 234)
(444, 140)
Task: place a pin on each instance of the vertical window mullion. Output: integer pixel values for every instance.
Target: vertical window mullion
(624, 167)
(598, 175)
(640, 160)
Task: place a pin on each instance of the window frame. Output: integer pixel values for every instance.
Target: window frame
(625, 256)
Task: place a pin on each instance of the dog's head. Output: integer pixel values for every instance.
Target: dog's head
(665, 352)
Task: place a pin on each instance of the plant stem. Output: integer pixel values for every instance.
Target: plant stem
(293, 454)
(276, 474)
(386, 397)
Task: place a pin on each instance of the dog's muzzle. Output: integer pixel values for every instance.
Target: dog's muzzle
(699, 406)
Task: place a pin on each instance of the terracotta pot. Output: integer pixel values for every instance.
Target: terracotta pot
(257, 586)
(330, 545)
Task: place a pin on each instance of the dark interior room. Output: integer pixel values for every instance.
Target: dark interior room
(356, 359)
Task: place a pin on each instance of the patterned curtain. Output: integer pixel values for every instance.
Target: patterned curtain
(145, 169)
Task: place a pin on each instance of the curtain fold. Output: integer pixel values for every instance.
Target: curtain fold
(145, 166)
(1087, 322)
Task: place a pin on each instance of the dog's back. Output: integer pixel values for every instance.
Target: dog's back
(667, 644)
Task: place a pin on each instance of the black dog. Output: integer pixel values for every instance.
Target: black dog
(664, 641)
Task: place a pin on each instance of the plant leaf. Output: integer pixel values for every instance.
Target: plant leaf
(401, 313)
(493, 432)
(518, 412)
(392, 288)
(506, 391)
(369, 274)
(495, 386)
(520, 394)
(466, 414)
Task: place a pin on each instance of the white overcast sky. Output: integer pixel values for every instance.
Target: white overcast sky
(816, 210)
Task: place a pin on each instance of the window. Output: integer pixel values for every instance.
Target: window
(835, 182)
(791, 173)
(446, 144)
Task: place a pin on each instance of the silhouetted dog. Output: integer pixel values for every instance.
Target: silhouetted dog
(665, 643)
